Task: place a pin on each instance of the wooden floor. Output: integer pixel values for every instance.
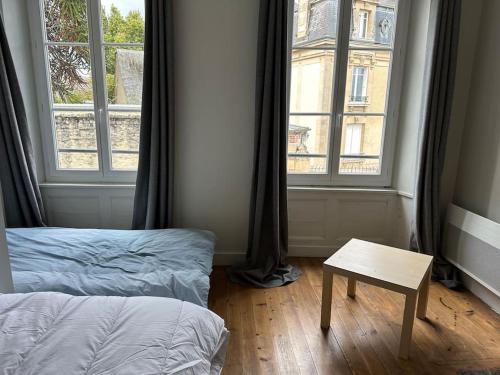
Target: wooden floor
(277, 331)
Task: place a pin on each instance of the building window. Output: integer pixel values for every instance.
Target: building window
(362, 24)
(92, 54)
(359, 84)
(352, 145)
(337, 134)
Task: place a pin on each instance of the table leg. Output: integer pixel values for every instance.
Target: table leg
(423, 296)
(408, 318)
(326, 298)
(351, 287)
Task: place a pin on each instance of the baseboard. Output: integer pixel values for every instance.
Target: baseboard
(227, 259)
(311, 251)
(483, 293)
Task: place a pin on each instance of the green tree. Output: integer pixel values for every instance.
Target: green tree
(66, 21)
(119, 29)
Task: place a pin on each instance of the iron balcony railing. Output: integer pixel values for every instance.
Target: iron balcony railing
(358, 99)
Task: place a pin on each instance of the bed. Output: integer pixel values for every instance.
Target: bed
(54, 333)
(172, 263)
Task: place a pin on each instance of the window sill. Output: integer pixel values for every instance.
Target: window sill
(342, 189)
(77, 185)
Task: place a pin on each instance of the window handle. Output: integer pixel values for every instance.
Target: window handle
(340, 116)
(100, 113)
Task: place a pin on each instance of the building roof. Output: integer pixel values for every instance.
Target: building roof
(322, 22)
(298, 129)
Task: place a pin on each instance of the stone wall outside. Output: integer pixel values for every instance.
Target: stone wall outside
(77, 130)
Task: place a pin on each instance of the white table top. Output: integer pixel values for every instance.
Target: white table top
(385, 266)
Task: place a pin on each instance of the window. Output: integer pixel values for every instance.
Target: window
(342, 118)
(363, 24)
(358, 84)
(353, 135)
(91, 54)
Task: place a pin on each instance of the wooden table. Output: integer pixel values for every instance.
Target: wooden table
(399, 270)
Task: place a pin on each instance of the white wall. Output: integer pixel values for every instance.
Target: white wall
(478, 175)
(473, 165)
(411, 98)
(411, 106)
(409, 121)
(215, 57)
(468, 45)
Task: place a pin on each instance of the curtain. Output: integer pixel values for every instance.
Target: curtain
(153, 201)
(427, 231)
(22, 198)
(265, 264)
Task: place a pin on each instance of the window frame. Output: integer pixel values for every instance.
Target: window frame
(100, 106)
(332, 177)
(365, 24)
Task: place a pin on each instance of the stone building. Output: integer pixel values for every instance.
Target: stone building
(128, 76)
(315, 26)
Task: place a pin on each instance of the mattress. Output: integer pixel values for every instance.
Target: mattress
(172, 263)
(54, 333)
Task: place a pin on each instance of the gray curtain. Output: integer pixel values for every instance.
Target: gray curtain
(427, 231)
(265, 264)
(154, 187)
(22, 198)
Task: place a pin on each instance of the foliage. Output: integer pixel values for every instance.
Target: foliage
(119, 29)
(66, 21)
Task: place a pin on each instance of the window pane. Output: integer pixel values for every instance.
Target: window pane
(76, 140)
(373, 23)
(307, 165)
(123, 21)
(361, 144)
(367, 81)
(66, 21)
(312, 80)
(70, 76)
(124, 67)
(315, 23)
(124, 128)
(308, 135)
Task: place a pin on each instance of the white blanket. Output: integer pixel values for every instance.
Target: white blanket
(53, 333)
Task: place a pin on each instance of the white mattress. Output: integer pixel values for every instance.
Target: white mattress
(54, 333)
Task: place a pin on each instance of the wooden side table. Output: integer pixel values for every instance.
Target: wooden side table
(398, 270)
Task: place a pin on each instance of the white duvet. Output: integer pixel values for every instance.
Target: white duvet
(53, 333)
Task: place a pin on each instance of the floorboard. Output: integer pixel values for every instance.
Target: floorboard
(276, 331)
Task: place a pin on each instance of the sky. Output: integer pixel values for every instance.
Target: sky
(125, 6)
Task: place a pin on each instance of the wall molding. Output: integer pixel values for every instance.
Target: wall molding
(60, 185)
(405, 194)
(490, 298)
(480, 227)
(474, 277)
(473, 246)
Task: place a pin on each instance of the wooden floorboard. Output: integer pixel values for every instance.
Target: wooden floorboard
(277, 331)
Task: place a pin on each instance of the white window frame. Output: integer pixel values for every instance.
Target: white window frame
(362, 24)
(332, 177)
(100, 106)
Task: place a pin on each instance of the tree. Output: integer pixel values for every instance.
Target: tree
(119, 29)
(66, 21)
